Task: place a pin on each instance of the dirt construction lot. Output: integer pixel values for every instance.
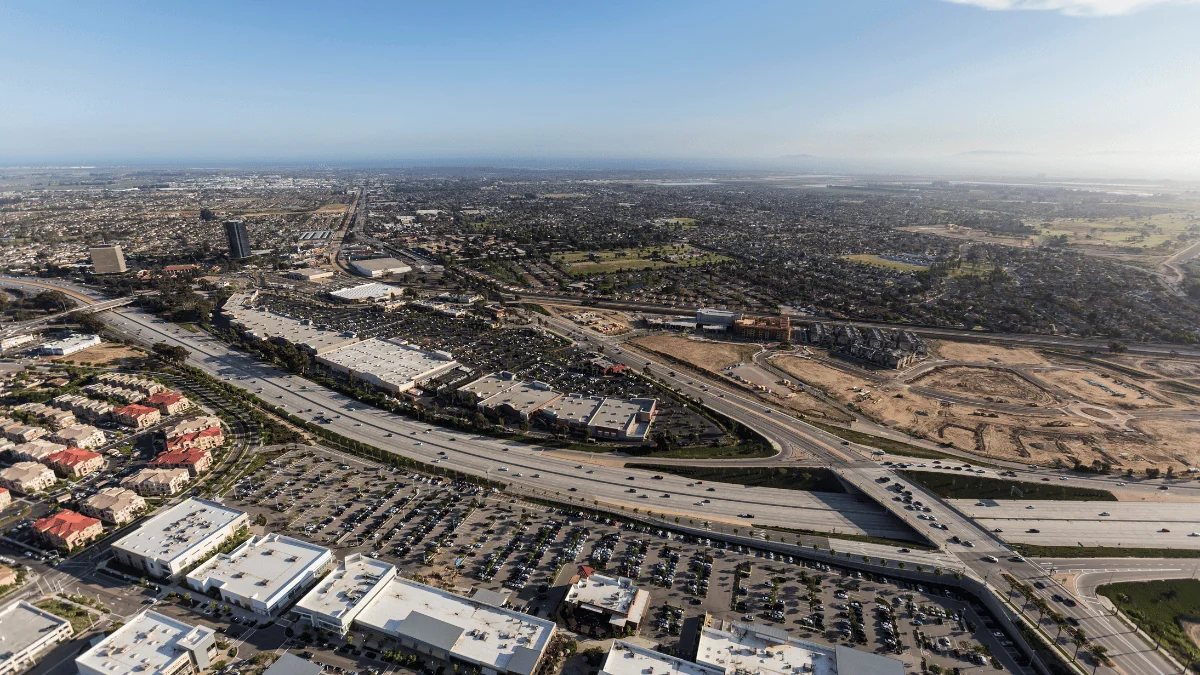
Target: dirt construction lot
(983, 353)
(711, 356)
(985, 382)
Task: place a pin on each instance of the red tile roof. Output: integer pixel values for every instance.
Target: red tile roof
(189, 456)
(184, 439)
(165, 398)
(135, 410)
(64, 523)
(72, 456)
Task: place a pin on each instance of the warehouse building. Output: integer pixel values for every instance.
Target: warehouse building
(151, 644)
(28, 632)
(179, 537)
(337, 600)
(607, 418)
(264, 574)
(625, 658)
(392, 365)
(716, 317)
(457, 629)
(373, 268)
(371, 292)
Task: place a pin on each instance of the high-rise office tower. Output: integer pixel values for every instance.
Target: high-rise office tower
(107, 259)
(239, 241)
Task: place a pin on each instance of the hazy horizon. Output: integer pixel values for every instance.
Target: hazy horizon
(1085, 88)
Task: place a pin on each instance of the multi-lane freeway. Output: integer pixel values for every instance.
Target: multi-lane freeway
(530, 469)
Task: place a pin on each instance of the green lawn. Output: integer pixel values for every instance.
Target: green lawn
(1039, 551)
(80, 619)
(871, 259)
(584, 263)
(1157, 608)
(955, 486)
(808, 480)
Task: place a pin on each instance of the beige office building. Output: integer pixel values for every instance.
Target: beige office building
(108, 259)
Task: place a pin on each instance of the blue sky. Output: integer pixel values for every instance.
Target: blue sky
(1076, 86)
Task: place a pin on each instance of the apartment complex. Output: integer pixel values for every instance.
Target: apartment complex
(75, 462)
(152, 482)
(114, 505)
(68, 530)
(27, 477)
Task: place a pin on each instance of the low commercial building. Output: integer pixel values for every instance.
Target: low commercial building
(27, 477)
(261, 324)
(264, 574)
(114, 505)
(151, 644)
(83, 436)
(372, 292)
(618, 598)
(607, 418)
(157, 482)
(137, 416)
(195, 460)
(35, 451)
(69, 345)
(716, 317)
(754, 649)
(28, 633)
(505, 394)
(68, 530)
(450, 627)
(17, 341)
(625, 658)
(373, 268)
(75, 462)
(179, 537)
(169, 402)
(311, 273)
(392, 365)
(336, 601)
(290, 664)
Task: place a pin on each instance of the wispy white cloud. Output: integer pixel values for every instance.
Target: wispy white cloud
(1073, 7)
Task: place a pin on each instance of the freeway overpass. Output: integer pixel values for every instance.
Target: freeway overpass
(533, 470)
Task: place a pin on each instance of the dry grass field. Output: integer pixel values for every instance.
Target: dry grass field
(711, 356)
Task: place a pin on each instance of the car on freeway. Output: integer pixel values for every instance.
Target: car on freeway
(746, 515)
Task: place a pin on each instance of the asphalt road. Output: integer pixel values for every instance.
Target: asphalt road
(1130, 524)
(354, 420)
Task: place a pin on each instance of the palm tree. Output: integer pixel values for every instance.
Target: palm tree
(1080, 640)
(1099, 656)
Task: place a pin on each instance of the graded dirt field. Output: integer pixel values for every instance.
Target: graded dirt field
(1094, 386)
(105, 354)
(984, 383)
(1169, 368)
(711, 356)
(838, 384)
(983, 353)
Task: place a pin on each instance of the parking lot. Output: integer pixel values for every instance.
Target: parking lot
(463, 537)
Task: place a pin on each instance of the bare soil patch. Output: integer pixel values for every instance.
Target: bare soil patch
(1095, 386)
(984, 353)
(106, 354)
(985, 383)
(1171, 368)
(711, 356)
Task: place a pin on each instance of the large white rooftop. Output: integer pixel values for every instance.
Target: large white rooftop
(762, 650)
(175, 532)
(262, 568)
(391, 364)
(22, 626)
(343, 593)
(147, 644)
(265, 324)
(618, 596)
(629, 659)
(369, 291)
(478, 632)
